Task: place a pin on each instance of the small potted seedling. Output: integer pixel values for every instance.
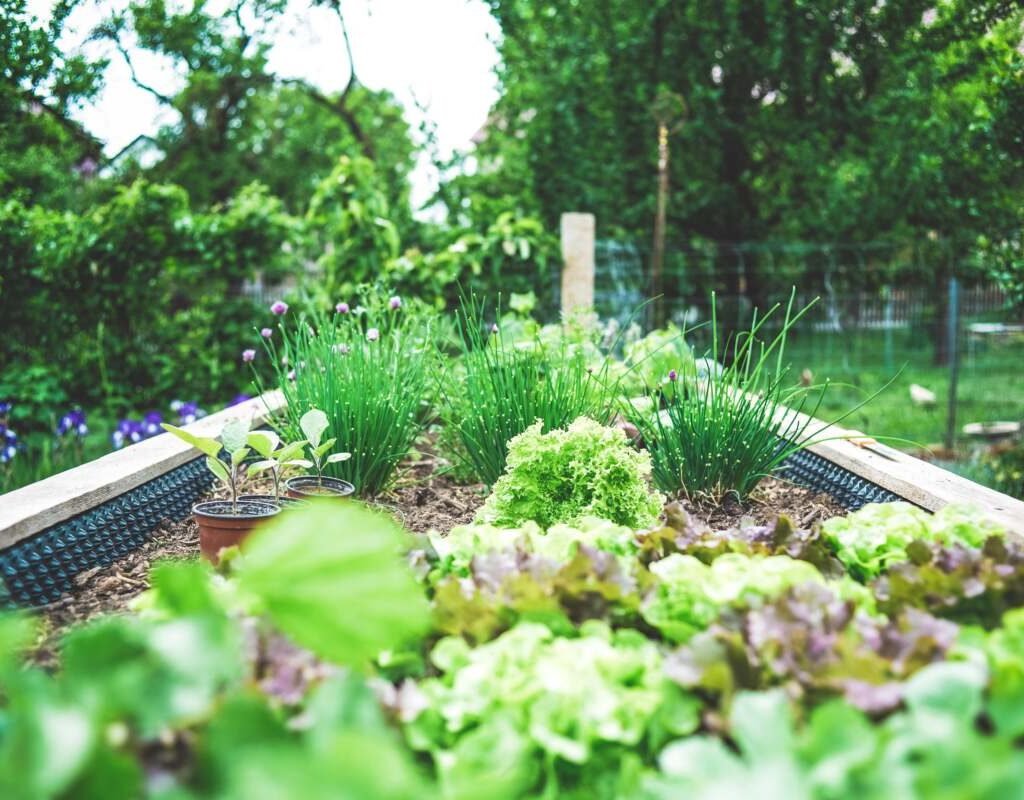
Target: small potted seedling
(314, 424)
(275, 457)
(223, 523)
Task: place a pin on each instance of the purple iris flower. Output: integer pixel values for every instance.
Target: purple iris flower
(151, 423)
(395, 303)
(73, 422)
(248, 355)
(341, 308)
(187, 412)
(266, 333)
(9, 444)
(128, 431)
(5, 407)
(238, 399)
(279, 307)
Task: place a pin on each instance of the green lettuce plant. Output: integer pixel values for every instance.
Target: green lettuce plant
(872, 539)
(584, 470)
(233, 439)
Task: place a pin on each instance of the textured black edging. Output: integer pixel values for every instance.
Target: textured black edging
(851, 491)
(41, 568)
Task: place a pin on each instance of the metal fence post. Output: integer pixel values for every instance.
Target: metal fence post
(578, 261)
(953, 345)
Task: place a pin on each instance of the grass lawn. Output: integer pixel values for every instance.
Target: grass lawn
(991, 384)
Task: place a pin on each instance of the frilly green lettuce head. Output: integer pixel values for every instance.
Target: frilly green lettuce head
(565, 475)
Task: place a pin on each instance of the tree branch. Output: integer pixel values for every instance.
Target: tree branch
(163, 98)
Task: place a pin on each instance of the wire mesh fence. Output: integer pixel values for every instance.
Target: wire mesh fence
(931, 326)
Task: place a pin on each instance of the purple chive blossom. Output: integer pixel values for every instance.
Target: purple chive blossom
(494, 327)
(340, 348)
(248, 355)
(279, 307)
(373, 334)
(342, 308)
(395, 303)
(266, 333)
(73, 422)
(291, 374)
(673, 375)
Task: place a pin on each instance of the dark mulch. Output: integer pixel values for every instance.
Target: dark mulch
(772, 497)
(106, 590)
(424, 499)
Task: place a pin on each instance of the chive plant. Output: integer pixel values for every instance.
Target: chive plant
(721, 434)
(369, 371)
(497, 389)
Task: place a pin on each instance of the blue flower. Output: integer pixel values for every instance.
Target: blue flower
(239, 398)
(73, 422)
(9, 444)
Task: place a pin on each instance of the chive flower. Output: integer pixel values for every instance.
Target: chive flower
(395, 303)
(248, 355)
(673, 375)
(494, 327)
(340, 348)
(341, 308)
(291, 375)
(266, 333)
(373, 334)
(279, 307)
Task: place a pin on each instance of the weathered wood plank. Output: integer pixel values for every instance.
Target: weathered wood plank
(38, 506)
(916, 481)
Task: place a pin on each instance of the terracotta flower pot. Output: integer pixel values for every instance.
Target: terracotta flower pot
(222, 526)
(307, 487)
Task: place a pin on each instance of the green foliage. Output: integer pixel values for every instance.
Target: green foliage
(691, 594)
(891, 123)
(369, 371)
(499, 389)
(877, 536)
(563, 475)
(509, 254)
(349, 217)
(296, 567)
(528, 691)
(653, 357)
(152, 290)
(233, 440)
(720, 434)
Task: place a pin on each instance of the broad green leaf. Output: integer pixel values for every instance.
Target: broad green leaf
(239, 455)
(290, 451)
(216, 466)
(313, 424)
(324, 448)
(336, 457)
(263, 442)
(332, 578)
(235, 434)
(259, 466)
(204, 444)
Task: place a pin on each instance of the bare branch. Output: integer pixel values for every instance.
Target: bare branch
(163, 98)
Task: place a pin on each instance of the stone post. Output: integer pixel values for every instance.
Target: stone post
(578, 261)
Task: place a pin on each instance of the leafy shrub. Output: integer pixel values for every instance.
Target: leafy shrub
(870, 540)
(586, 469)
(498, 389)
(369, 370)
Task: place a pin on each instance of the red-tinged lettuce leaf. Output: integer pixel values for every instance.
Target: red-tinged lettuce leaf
(684, 534)
(968, 585)
(813, 643)
(507, 586)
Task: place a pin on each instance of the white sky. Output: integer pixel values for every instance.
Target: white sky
(439, 51)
